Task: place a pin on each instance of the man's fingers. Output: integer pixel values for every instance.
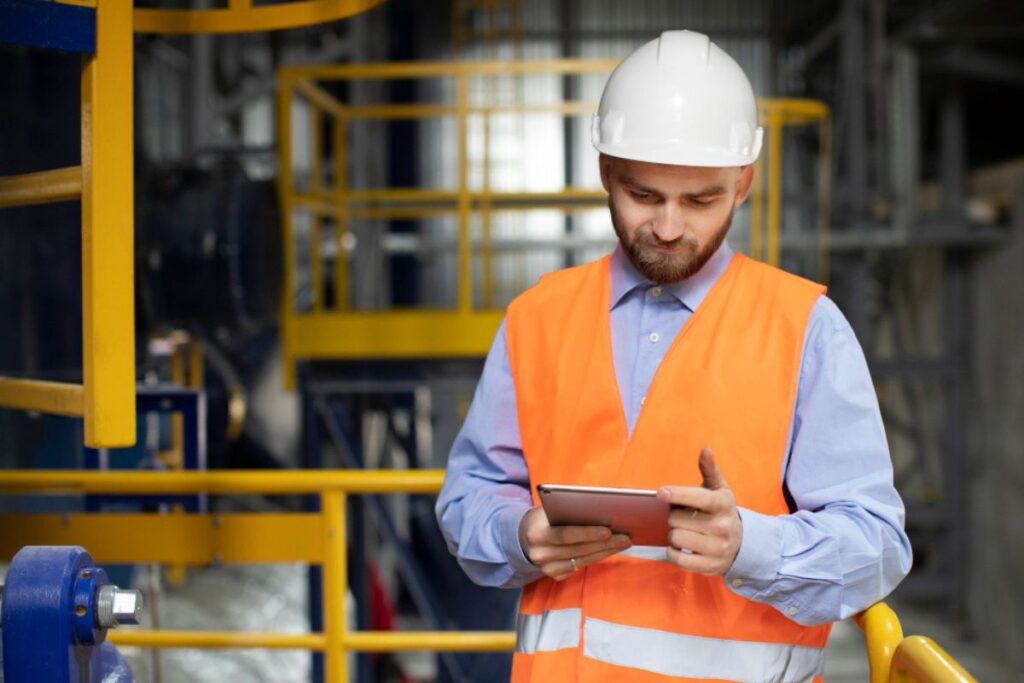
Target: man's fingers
(713, 478)
(694, 497)
(566, 535)
(693, 562)
(692, 541)
(564, 569)
(541, 554)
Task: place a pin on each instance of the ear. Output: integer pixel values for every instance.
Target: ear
(743, 183)
(605, 163)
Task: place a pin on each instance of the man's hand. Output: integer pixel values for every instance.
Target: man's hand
(554, 548)
(706, 521)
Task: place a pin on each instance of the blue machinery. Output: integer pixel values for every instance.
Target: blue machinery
(57, 607)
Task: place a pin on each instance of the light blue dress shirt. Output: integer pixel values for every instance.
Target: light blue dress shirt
(841, 550)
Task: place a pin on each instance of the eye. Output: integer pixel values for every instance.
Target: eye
(702, 202)
(641, 196)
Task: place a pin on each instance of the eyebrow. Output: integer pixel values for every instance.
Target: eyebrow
(706, 192)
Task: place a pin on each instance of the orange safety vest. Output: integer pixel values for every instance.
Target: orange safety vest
(729, 382)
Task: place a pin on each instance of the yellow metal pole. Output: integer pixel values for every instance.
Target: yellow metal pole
(486, 273)
(774, 186)
(239, 481)
(285, 191)
(465, 267)
(108, 255)
(335, 585)
(316, 264)
(56, 398)
(824, 197)
(217, 639)
(341, 294)
(882, 635)
(41, 187)
(757, 210)
(919, 658)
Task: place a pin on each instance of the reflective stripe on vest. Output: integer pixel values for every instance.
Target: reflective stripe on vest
(552, 630)
(674, 654)
(647, 552)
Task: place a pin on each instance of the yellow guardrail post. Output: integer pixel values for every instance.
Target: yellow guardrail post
(335, 585)
(882, 635)
(465, 267)
(108, 253)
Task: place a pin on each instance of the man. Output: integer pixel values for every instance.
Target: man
(735, 389)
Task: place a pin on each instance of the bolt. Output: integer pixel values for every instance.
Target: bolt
(116, 606)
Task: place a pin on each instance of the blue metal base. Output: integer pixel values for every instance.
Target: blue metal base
(49, 620)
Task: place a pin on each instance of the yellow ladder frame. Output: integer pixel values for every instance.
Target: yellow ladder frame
(105, 183)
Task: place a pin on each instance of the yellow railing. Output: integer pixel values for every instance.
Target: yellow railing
(104, 181)
(194, 538)
(340, 332)
(234, 537)
(895, 659)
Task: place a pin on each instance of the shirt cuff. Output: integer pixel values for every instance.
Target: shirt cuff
(508, 525)
(758, 561)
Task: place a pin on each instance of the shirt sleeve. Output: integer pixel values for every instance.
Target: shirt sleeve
(486, 488)
(844, 548)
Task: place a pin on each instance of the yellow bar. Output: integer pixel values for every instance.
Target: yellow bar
(485, 220)
(55, 398)
(341, 214)
(108, 254)
(277, 15)
(239, 4)
(319, 97)
(365, 641)
(396, 334)
(774, 188)
(335, 585)
(216, 639)
(824, 198)
(240, 481)
(394, 70)
(418, 111)
(384, 641)
(57, 185)
(316, 264)
(174, 538)
(465, 267)
(757, 211)
(919, 658)
(411, 194)
(285, 190)
(882, 635)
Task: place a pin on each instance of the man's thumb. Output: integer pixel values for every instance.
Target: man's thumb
(713, 478)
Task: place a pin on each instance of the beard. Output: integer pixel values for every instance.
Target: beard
(643, 248)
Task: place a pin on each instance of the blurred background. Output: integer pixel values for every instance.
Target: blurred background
(333, 205)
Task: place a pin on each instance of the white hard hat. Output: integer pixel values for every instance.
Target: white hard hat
(679, 99)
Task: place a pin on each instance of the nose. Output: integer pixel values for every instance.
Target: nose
(671, 224)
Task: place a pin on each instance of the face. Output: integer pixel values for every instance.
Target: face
(671, 219)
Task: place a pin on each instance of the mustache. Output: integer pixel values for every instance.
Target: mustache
(647, 238)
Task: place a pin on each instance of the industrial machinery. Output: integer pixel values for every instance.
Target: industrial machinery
(57, 608)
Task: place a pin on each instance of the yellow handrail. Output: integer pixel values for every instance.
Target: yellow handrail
(895, 659)
(320, 537)
(468, 327)
(331, 485)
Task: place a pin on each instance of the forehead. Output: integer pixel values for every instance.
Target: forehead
(672, 179)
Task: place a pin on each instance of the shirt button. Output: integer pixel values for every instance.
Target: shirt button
(656, 292)
(737, 582)
(654, 337)
(643, 399)
(792, 611)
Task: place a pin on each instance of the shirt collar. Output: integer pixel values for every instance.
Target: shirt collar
(690, 292)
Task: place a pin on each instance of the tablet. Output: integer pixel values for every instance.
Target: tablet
(636, 512)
